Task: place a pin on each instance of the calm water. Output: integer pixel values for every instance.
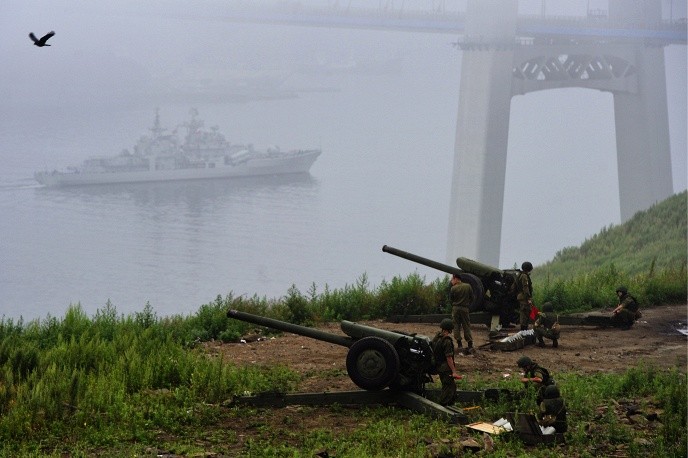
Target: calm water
(382, 179)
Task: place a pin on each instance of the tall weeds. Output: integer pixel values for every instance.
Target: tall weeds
(82, 372)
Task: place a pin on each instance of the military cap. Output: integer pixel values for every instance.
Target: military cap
(547, 307)
(447, 324)
(551, 392)
(622, 289)
(524, 362)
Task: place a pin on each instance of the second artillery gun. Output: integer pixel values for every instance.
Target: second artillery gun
(494, 290)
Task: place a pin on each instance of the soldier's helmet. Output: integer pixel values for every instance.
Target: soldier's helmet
(622, 289)
(551, 392)
(526, 266)
(447, 324)
(547, 307)
(524, 362)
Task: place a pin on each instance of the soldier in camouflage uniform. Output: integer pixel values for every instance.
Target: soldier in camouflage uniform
(546, 325)
(443, 350)
(538, 376)
(524, 294)
(461, 295)
(626, 311)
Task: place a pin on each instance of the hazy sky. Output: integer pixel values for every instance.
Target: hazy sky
(106, 50)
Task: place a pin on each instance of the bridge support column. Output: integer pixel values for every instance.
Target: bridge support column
(642, 137)
(642, 121)
(482, 131)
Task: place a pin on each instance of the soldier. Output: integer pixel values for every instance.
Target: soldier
(547, 325)
(535, 374)
(553, 410)
(461, 295)
(524, 294)
(626, 311)
(443, 350)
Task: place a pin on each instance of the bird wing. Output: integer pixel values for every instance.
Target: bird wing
(45, 37)
(33, 37)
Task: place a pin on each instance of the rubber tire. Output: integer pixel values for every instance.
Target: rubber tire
(478, 291)
(372, 363)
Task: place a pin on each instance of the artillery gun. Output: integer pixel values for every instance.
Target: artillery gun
(494, 292)
(376, 359)
(391, 367)
(494, 289)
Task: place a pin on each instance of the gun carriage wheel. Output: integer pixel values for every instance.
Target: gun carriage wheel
(372, 363)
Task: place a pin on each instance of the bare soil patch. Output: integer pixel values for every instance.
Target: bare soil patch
(582, 349)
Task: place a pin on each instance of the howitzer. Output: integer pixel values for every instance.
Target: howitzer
(376, 359)
(493, 289)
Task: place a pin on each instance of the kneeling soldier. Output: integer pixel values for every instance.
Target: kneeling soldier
(547, 325)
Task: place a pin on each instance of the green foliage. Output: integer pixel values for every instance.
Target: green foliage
(651, 241)
(83, 385)
(353, 302)
(647, 254)
(111, 376)
(297, 309)
(596, 289)
(410, 296)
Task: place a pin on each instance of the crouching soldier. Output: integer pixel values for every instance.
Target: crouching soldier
(538, 376)
(443, 350)
(626, 312)
(547, 325)
(553, 410)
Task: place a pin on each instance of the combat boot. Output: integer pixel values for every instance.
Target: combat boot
(541, 342)
(555, 343)
(469, 350)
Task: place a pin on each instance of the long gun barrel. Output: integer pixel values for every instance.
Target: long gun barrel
(377, 358)
(293, 328)
(421, 260)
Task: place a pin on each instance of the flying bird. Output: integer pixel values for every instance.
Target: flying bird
(43, 41)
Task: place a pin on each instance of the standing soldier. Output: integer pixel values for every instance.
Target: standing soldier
(443, 350)
(626, 311)
(461, 295)
(525, 294)
(547, 325)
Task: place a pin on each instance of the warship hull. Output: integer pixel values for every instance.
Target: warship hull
(284, 163)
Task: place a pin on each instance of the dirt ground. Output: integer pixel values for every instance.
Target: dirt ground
(583, 349)
(655, 339)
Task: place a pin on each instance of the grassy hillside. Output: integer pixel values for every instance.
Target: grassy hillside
(652, 238)
(648, 253)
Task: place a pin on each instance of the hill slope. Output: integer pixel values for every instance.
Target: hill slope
(654, 239)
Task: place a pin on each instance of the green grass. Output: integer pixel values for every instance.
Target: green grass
(111, 385)
(651, 241)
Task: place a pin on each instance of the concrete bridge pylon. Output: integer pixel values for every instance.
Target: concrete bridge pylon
(495, 67)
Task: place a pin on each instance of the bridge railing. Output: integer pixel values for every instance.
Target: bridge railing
(591, 27)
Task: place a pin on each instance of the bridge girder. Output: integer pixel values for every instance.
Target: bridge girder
(605, 68)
